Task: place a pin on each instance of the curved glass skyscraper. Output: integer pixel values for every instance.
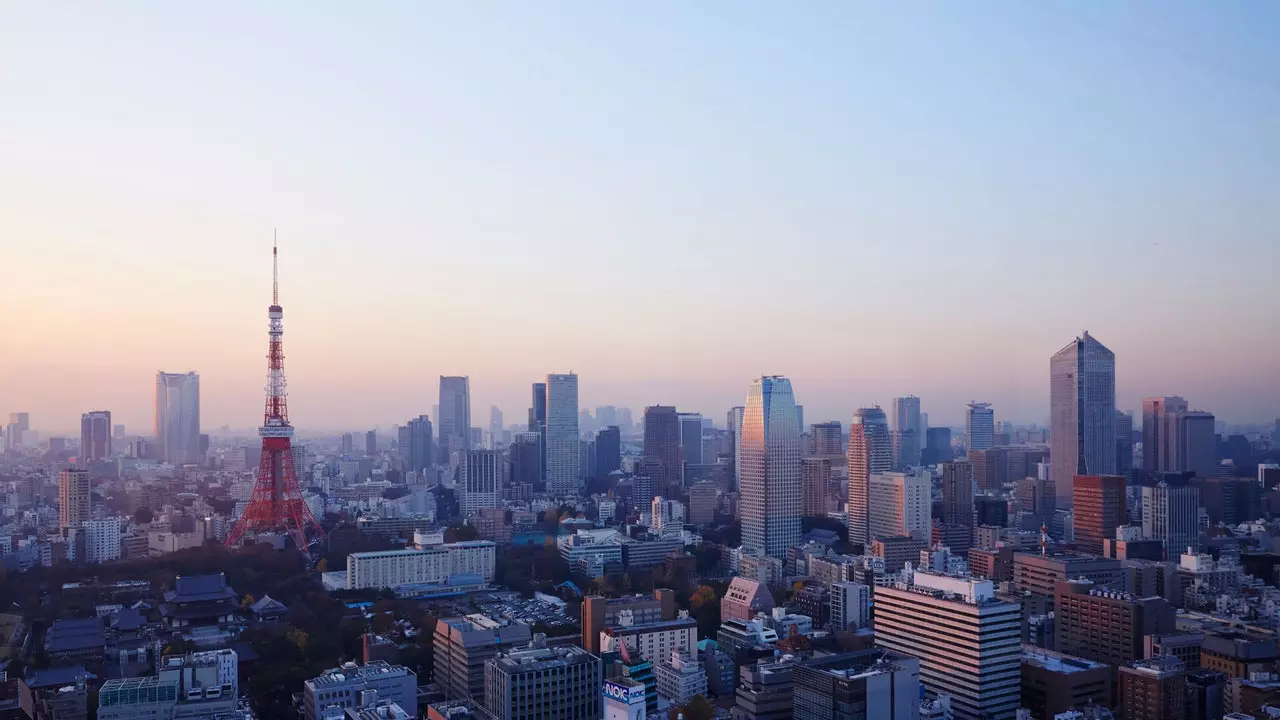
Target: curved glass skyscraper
(870, 453)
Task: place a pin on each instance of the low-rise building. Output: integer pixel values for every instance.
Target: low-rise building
(1054, 683)
(539, 682)
(680, 677)
(344, 687)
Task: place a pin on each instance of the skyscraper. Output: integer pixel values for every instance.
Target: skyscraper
(870, 452)
(1098, 508)
(525, 455)
(417, 453)
(73, 497)
(1192, 444)
(1156, 430)
(95, 436)
(898, 504)
(455, 414)
(662, 446)
(827, 438)
(734, 421)
(608, 451)
(816, 475)
(937, 446)
(538, 424)
(606, 415)
(1082, 413)
(691, 438)
(563, 451)
(957, 494)
(769, 495)
(178, 417)
(907, 431)
(1124, 442)
(481, 485)
(371, 443)
(495, 423)
(979, 426)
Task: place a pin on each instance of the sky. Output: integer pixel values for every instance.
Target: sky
(667, 198)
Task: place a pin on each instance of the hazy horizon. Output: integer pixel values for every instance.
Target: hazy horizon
(871, 199)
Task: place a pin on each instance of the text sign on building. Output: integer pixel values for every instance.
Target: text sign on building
(623, 693)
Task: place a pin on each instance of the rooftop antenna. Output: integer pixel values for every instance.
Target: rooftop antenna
(275, 270)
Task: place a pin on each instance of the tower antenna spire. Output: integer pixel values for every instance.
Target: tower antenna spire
(275, 270)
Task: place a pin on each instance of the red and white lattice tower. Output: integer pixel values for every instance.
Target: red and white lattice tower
(276, 504)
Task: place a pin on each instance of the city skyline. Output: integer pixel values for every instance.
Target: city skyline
(423, 228)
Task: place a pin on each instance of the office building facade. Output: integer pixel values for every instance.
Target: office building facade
(178, 417)
(454, 418)
(979, 426)
(769, 475)
(481, 485)
(867, 684)
(899, 504)
(73, 497)
(1082, 413)
(564, 475)
(816, 475)
(95, 436)
(536, 682)
(957, 493)
(1171, 515)
(870, 452)
(906, 431)
(662, 447)
(1098, 508)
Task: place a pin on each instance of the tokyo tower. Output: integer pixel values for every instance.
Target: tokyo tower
(276, 504)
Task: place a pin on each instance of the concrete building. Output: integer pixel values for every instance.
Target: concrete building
(653, 641)
(769, 471)
(1153, 689)
(463, 645)
(454, 417)
(623, 699)
(1156, 431)
(1082, 413)
(765, 691)
(898, 504)
(690, 439)
(73, 497)
(349, 685)
(1192, 443)
(868, 684)
(599, 613)
(101, 540)
(850, 606)
(1171, 515)
(1054, 683)
(702, 502)
(979, 426)
(1106, 625)
(427, 565)
(680, 677)
(564, 458)
(744, 598)
(870, 453)
(1039, 575)
(178, 417)
(957, 494)
(537, 682)
(1098, 508)
(968, 642)
(898, 551)
(199, 685)
(481, 481)
(828, 439)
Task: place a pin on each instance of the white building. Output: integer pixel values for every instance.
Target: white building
(899, 504)
(481, 485)
(101, 540)
(428, 565)
(769, 469)
(667, 517)
(592, 551)
(850, 605)
(563, 444)
(607, 510)
(652, 640)
(967, 641)
(680, 678)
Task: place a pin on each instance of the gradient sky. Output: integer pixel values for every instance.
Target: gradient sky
(668, 198)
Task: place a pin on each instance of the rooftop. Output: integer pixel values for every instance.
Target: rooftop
(543, 658)
(1056, 662)
(351, 672)
(71, 635)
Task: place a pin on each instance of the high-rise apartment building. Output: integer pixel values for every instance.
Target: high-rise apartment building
(690, 438)
(702, 502)
(979, 426)
(481, 481)
(1098, 508)
(1082, 413)
(662, 446)
(1171, 515)
(815, 476)
(563, 452)
(769, 496)
(454, 419)
(967, 641)
(73, 497)
(178, 417)
(850, 606)
(828, 439)
(537, 681)
(898, 504)
(870, 452)
(906, 431)
(1156, 430)
(957, 494)
(101, 540)
(95, 436)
